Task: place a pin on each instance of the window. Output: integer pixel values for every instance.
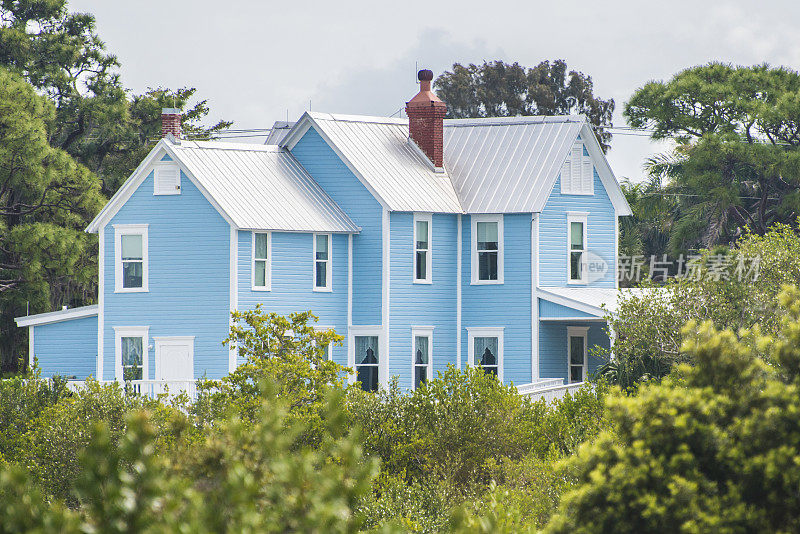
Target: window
(576, 248)
(166, 179)
(366, 356)
(422, 248)
(131, 352)
(130, 254)
(576, 353)
(322, 262)
(577, 172)
(262, 272)
(486, 350)
(487, 249)
(422, 355)
(327, 350)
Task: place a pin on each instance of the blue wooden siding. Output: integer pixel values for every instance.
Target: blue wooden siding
(189, 251)
(600, 233)
(67, 348)
(346, 190)
(508, 304)
(553, 347)
(551, 309)
(422, 304)
(292, 281)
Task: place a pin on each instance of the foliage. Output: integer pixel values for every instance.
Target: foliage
(648, 325)
(498, 89)
(736, 164)
(284, 349)
(712, 449)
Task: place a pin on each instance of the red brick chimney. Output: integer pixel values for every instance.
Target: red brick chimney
(171, 122)
(426, 120)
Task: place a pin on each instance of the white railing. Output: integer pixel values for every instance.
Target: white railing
(150, 388)
(549, 390)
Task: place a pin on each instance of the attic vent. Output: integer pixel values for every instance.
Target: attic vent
(577, 173)
(166, 180)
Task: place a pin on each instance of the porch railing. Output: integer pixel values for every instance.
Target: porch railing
(150, 388)
(548, 389)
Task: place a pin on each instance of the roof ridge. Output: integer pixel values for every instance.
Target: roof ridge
(225, 145)
(516, 120)
(343, 117)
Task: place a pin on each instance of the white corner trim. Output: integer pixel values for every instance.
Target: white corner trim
(421, 331)
(534, 298)
(423, 217)
(234, 293)
(131, 229)
(101, 299)
(383, 364)
(349, 290)
(486, 331)
(459, 282)
(268, 274)
(31, 345)
(328, 267)
(474, 220)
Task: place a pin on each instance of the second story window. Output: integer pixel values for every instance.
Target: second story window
(422, 248)
(261, 262)
(130, 254)
(322, 262)
(576, 248)
(487, 249)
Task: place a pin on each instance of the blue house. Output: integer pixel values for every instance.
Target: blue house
(424, 241)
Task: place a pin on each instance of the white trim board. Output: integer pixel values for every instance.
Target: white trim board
(57, 316)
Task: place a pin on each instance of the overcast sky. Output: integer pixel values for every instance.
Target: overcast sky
(256, 61)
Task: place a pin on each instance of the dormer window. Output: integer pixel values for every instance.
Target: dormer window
(166, 179)
(577, 172)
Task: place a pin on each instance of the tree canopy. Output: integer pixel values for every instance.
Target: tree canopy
(499, 89)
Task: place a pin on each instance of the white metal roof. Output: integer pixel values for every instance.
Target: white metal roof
(599, 301)
(379, 153)
(278, 132)
(504, 165)
(255, 187)
(57, 316)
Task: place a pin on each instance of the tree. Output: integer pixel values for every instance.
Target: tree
(498, 89)
(45, 201)
(711, 449)
(736, 164)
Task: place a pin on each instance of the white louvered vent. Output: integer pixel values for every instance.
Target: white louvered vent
(166, 180)
(577, 173)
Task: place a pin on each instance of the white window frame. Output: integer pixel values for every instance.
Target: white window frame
(578, 331)
(323, 328)
(577, 157)
(165, 166)
(131, 331)
(583, 218)
(421, 331)
(329, 264)
(422, 217)
(486, 331)
(358, 331)
(131, 229)
(268, 269)
(475, 219)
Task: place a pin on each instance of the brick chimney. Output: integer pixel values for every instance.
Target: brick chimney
(171, 122)
(426, 120)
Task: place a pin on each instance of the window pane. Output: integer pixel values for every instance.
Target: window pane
(485, 351)
(576, 349)
(326, 354)
(420, 350)
(261, 273)
(131, 247)
(420, 375)
(576, 235)
(422, 265)
(261, 246)
(422, 234)
(575, 267)
(487, 236)
(487, 266)
(131, 351)
(368, 376)
(132, 274)
(322, 247)
(367, 349)
(575, 373)
(322, 274)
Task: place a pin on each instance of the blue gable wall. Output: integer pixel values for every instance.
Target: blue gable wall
(292, 279)
(67, 348)
(551, 309)
(346, 190)
(600, 233)
(553, 347)
(508, 304)
(422, 304)
(189, 250)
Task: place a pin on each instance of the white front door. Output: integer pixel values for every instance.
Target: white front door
(175, 358)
